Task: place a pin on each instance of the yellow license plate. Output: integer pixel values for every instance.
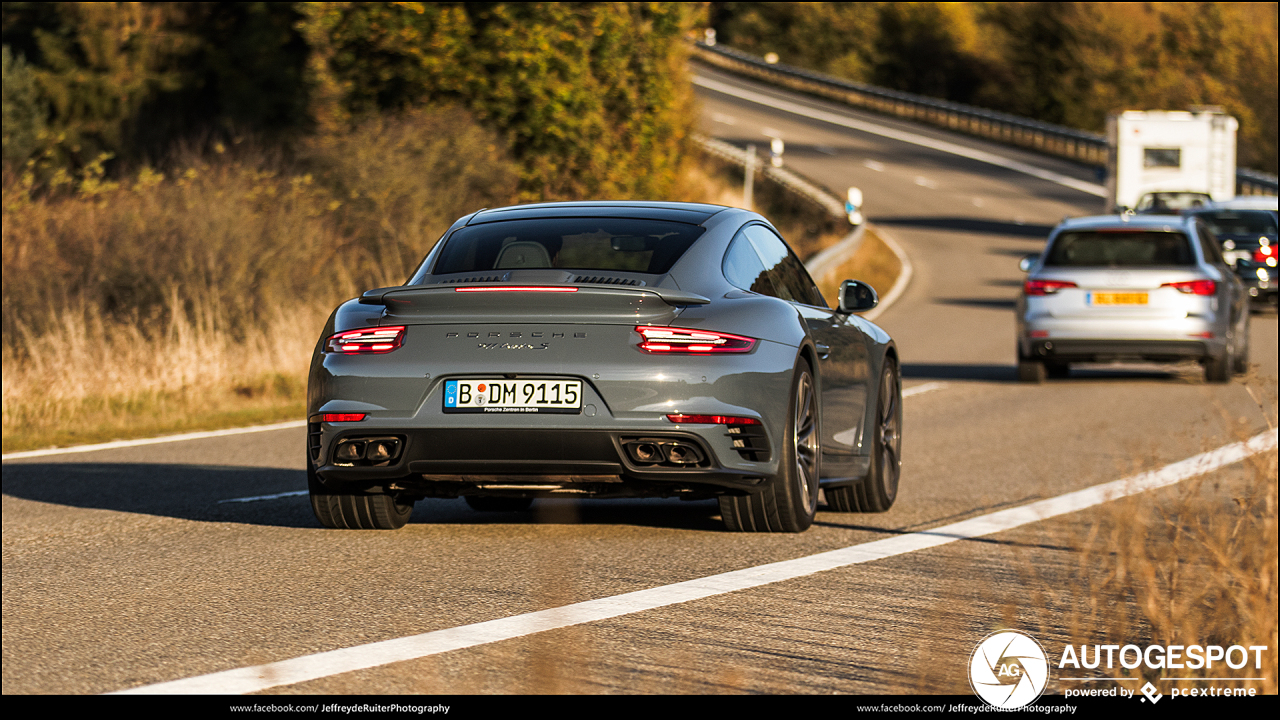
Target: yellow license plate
(1125, 298)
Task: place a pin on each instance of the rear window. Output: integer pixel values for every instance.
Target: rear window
(610, 244)
(1120, 249)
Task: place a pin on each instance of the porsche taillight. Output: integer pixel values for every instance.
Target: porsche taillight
(366, 341)
(667, 340)
(341, 417)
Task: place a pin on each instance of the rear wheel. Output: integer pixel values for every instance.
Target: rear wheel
(1057, 370)
(1241, 364)
(1217, 368)
(355, 511)
(789, 499)
(879, 489)
(490, 503)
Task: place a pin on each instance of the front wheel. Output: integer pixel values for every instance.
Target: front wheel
(789, 499)
(877, 491)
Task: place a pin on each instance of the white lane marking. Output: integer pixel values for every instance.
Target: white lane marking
(922, 388)
(361, 657)
(770, 132)
(923, 181)
(903, 136)
(154, 441)
(726, 119)
(255, 498)
(874, 165)
(899, 285)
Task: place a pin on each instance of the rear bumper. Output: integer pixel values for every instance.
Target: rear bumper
(448, 462)
(1094, 350)
(1105, 339)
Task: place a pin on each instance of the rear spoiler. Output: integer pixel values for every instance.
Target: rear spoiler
(388, 295)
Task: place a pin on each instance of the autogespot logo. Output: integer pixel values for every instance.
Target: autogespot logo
(1008, 670)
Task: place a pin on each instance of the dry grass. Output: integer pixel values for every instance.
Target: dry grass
(86, 379)
(1193, 564)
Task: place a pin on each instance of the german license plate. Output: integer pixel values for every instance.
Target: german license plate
(499, 395)
(1117, 298)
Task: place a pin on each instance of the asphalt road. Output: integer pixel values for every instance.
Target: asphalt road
(126, 568)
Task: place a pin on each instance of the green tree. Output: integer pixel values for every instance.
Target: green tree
(592, 98)
(24, 113)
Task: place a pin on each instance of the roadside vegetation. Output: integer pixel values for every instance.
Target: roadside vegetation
(188, 190)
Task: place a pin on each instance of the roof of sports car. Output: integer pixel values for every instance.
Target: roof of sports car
(692, 213)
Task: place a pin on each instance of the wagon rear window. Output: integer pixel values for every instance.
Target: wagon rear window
(617, 244)
(1120, 249)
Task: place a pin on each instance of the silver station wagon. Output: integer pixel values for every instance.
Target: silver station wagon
(1142, 288)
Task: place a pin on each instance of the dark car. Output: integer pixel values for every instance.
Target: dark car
(1170, 202)
(1248, 234)
(607, 349)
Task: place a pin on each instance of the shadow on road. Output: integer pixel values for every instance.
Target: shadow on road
(994, 304)
(1185, 372)
(978, 226)
(960, 371)
(218, 494)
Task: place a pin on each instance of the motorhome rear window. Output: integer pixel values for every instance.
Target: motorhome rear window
(1136, 248)
(617, 244)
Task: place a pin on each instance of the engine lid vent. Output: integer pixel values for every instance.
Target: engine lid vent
(607, 280)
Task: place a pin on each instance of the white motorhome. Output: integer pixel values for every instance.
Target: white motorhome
(1170, 151)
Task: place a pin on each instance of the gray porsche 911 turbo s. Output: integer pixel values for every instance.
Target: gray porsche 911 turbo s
(605, 349)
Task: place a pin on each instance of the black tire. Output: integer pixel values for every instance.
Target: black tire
(789, 499)
(877, 491)
(1241, 364)
(492, 503)
(1057, 370)
(1217, 368)
(355, 511)
(1031, 371)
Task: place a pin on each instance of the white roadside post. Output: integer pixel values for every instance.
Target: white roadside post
(749, 178)
(853, 206)
(775, 152)
(709, 37)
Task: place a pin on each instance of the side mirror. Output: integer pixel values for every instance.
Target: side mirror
(1025, 263)
(857, 297)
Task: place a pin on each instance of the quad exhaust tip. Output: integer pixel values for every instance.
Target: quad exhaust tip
(669, 452)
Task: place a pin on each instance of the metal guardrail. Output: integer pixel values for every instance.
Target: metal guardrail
(782, 176)
(1047, 138)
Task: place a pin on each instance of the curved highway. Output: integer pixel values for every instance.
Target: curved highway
(197, 566)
